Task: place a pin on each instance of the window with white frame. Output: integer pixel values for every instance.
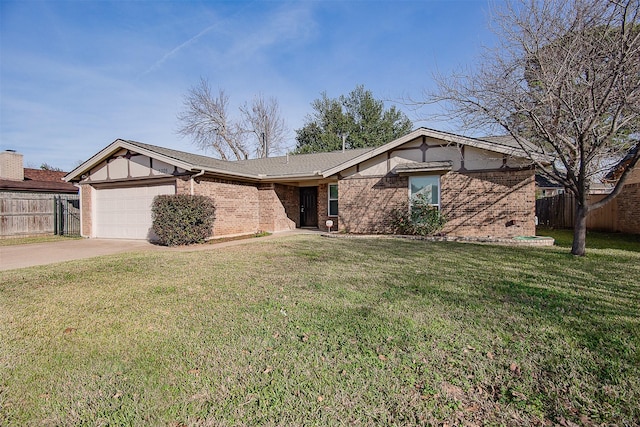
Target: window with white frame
(333, 199)
(426, 185)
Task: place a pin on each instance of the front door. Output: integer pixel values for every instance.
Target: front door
(309, 207)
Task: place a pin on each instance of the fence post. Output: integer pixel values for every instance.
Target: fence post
(62, 216)
(55, 215)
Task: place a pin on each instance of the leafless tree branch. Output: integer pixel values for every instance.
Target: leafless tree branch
(263, 121)
(563, 80)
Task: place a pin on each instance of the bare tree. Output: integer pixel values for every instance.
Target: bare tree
(206, 120)
(564, 81)
(263, 120)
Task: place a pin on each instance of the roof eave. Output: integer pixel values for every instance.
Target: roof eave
(292, 177)
(224, 173)
(119, 144)
(444, 136)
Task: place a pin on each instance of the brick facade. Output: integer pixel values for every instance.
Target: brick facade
(490, 203)
(323, 209)
(628, 201)
(289, 197)
(365, 203)
(243, 208)
(498, 203)
(273, 214)
(86, 210)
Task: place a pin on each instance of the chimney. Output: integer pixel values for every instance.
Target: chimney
(11, 166)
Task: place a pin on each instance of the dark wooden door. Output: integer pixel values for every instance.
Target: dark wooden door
(309, 207)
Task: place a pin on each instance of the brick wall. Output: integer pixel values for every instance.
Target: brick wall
(628, 201)
(237, 204)
(496, 203)
(323, 209)
(273, 215)
(243, 208)
(289, 197)
(86, 192)
(364, 204)
(500, 204)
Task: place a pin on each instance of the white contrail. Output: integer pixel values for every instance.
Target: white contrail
(192, 40)
(178, 48)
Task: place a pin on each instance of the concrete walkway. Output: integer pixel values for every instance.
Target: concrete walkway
(29, 255)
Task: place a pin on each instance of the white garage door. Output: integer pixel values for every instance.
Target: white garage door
(125, 213)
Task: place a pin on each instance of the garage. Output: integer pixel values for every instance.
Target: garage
(125, 212)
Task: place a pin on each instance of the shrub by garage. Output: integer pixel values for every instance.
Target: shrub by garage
(182, 219)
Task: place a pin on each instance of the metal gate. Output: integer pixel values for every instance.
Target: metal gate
(66, 215)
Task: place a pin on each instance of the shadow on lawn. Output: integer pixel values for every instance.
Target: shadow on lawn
(595, 239)
(593, 305)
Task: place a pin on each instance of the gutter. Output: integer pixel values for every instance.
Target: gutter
(193, 178)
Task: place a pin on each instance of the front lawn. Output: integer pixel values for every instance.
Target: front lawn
(595, 239)
(306, 330)
(47, 238)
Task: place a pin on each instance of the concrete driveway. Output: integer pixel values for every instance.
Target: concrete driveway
(29, 255)
(21, 256)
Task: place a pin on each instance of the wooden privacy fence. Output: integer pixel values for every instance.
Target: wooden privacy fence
(559, 212)
(39, 213)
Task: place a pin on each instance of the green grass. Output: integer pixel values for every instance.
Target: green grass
(305, 330)
(241, 237)
(595, 239)
(14, 241)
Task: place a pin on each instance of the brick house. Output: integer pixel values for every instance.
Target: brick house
(626, 204)
(485, 187)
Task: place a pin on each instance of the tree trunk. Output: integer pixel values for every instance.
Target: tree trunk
(580, 231)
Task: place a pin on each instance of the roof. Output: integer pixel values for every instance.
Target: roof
(420, 167)
(510, 141)
(294, 166)
(38, 180)
(544, 182)
(616, 171)
(301, 164)
(448, 137)
(280, 166)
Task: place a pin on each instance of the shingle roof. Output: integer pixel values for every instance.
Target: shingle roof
(197, 160)
(509, 141)
(544, 182)
(300, 164)
(37, 180)
(292, 166)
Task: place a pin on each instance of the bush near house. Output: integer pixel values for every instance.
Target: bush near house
(420, 219)
(182, 219)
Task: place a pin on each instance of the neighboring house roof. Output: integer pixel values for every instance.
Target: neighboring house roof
(616, 171)
(37, 180)
(298, 166)
(544, 182)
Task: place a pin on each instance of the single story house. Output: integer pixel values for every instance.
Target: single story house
(484, 187)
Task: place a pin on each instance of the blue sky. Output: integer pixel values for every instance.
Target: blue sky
(76, 75)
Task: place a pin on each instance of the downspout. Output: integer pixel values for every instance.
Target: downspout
(193, 178)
